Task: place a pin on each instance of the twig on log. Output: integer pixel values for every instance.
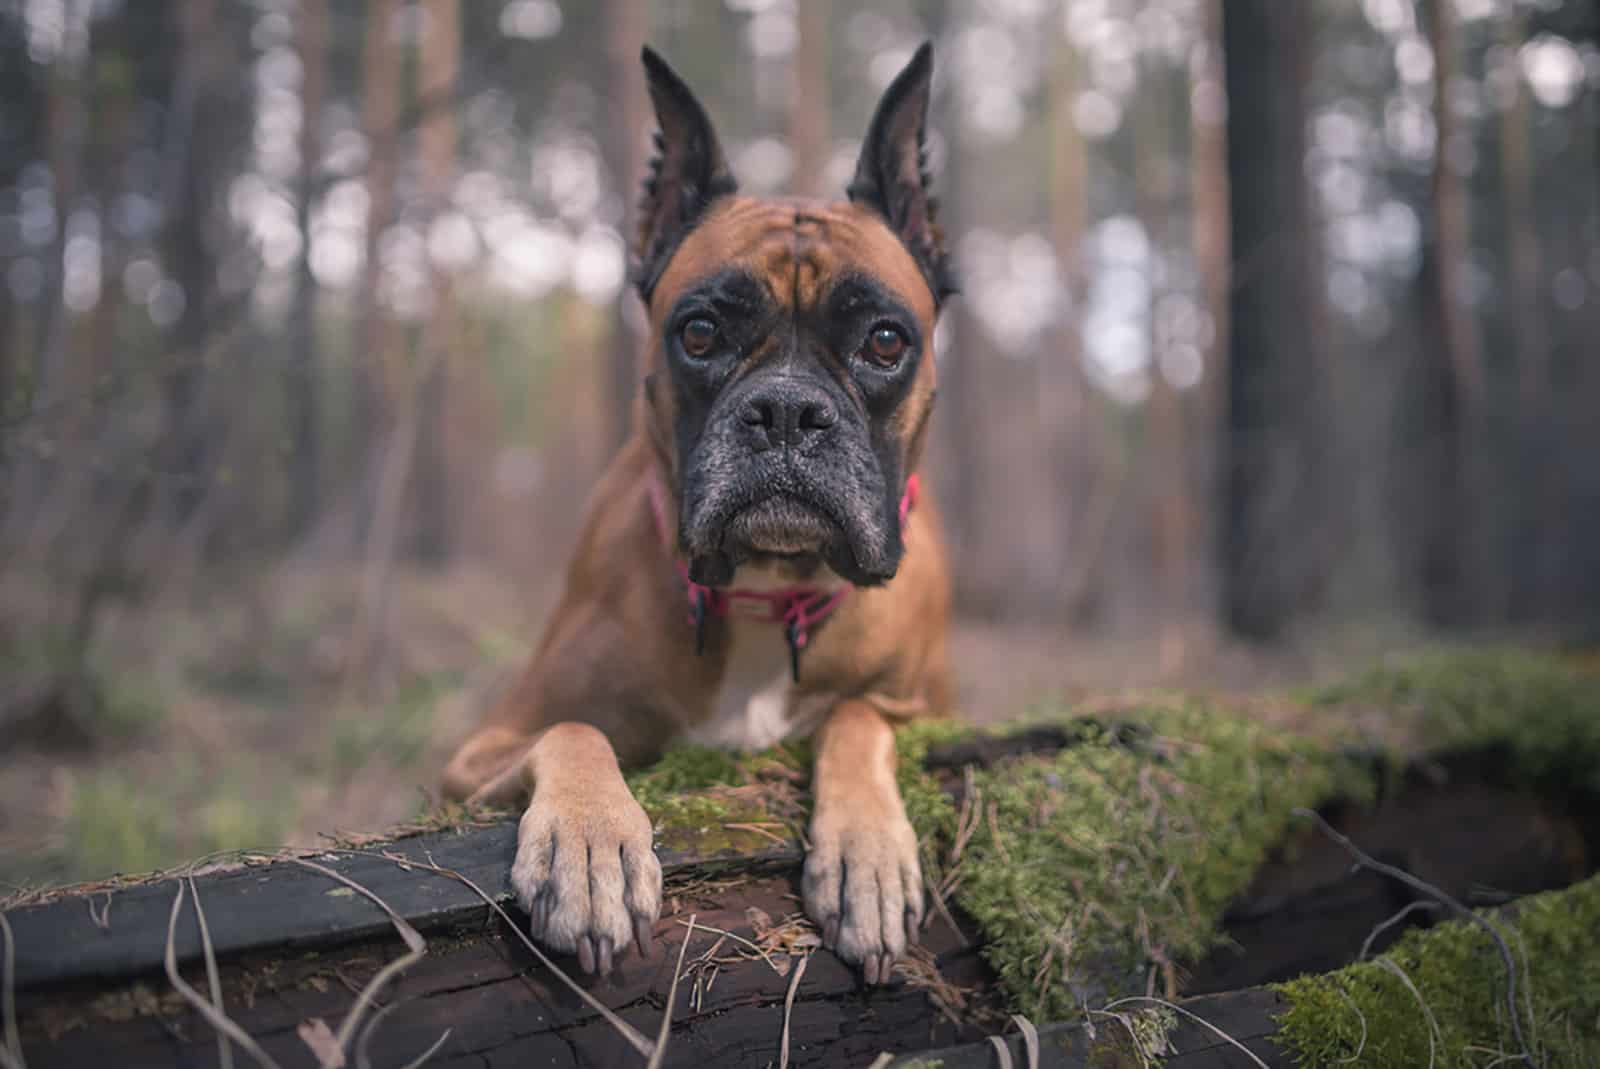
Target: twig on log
(788, 1010)
(213, 981)
(416, 948)
(1442, 897)
(1372, 936)
(1030, 1039)
(213, 1014)
(635, 1038)
(1248, 1053)
(11, 1051)
(665, 1030)
(1427, 1011)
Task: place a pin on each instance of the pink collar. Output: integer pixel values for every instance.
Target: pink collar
(798, 608)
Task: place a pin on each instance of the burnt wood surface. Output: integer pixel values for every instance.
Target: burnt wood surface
(502, 1007)
(121, 931)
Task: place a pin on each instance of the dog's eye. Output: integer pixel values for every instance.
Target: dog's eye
(885, 345)
(698, 336)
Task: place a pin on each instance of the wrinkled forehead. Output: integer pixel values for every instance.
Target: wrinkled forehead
(798, 249)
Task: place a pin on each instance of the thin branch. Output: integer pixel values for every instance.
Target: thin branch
(634, 1037)
(1434, 1036)
(1246, 1051)
(665, 1030)
(416, 948)
(213, 1015)
(738, 939)
(1030, 1039)
(1361, 1045)
(213, 981)
(12, 1050)
(788, 1011)
(1423, 887)
(1372, 936)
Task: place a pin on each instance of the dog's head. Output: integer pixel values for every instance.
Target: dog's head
(790, 371)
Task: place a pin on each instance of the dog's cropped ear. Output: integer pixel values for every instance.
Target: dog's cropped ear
(892, 173)
(688, 173)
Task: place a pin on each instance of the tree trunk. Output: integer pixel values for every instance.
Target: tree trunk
(1082, 473)
(957, 440)
(1172, 514)
(376, 340)
(1270, 501)
(305, 369)
(1208, 192)
(1453, 367)
(66, 124)
(193, 149)
(435, 505)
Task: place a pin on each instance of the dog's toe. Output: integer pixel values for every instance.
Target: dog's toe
(863, 888)
(588, 876)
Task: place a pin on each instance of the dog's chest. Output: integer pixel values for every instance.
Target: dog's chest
(755, 707)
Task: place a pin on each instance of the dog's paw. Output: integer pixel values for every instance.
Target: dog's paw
(863, 884)
(586, 872)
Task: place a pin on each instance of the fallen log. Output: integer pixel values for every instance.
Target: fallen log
(295, 949)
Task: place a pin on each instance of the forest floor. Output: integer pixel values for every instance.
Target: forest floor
(233, 722)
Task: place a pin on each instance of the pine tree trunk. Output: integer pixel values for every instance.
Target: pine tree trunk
(1271, 505)
(305, 369)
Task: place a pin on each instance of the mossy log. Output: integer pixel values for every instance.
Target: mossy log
(1085, 861)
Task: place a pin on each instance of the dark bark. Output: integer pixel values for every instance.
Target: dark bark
(434, 532)
(1272, 537)
(304, 365)
(1452, 376)
(377, 340)
(196, 176)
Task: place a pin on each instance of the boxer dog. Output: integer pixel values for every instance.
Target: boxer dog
(760, 560)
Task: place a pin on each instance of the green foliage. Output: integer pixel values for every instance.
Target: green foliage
(106, 705)
(119, 825)
(1119, 853)
(1541, 711)
(397, 732)
(1365, 1015)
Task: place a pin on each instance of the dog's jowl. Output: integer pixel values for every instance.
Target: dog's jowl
(763, 558)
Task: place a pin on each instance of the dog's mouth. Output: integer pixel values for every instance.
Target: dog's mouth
(768, 510)
(782, 526)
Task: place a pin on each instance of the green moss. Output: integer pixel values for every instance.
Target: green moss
(1541, 711)
(1458, 974)
(694, 793)
(1119, 853)
(1135, 1039)
(1091, 867)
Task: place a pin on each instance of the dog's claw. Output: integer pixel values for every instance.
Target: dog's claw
(644, 937)
(586, 954)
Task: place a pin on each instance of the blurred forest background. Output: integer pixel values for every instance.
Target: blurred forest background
(1277, 341)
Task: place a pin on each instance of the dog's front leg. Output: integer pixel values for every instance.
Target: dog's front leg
(863, 883)
(586, 870)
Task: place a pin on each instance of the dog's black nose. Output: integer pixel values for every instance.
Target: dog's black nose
(787, 413)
